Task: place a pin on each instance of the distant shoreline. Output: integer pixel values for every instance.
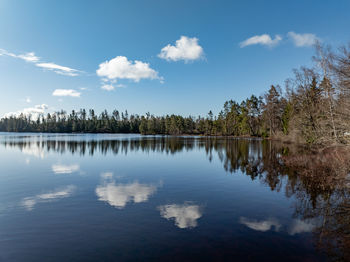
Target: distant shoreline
(170, 135)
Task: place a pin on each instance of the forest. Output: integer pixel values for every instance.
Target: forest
(313, 107)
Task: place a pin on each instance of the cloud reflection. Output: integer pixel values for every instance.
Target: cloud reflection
(118, 195)
(30, 202)
(34, 150)
(262, 226)
(296, 227)
(299, 226)
(65, 169)
(185, 215)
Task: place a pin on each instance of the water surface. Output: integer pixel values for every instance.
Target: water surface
(155, 198)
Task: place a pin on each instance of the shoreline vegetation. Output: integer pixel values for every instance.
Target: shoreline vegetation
(312, 109)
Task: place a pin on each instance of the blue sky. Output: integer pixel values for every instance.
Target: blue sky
(59, 54)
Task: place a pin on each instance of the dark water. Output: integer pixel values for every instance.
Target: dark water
(137, 198)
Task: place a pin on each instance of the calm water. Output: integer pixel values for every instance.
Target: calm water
(133, 198)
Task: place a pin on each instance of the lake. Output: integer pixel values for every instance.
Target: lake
(94, 197)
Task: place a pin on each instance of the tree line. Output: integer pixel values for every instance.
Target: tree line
(313, 107)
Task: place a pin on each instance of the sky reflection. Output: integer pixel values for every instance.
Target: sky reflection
(185, 215)
(299, 226)
(263, 225)
(65, 169)
(29, 202)
(296, 227)
(118, 194)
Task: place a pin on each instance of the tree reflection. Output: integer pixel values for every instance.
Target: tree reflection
(318, 181)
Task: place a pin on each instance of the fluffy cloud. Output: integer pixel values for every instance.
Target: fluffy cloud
(30, 202)
(118, 195)
(34, 112)
(107, 87)
(185, 215)
(36, 109)
(264, 39)
(301, 40)
(262, 226)
(66, 92)
(32, 58)
(62, 70)
(65, 169)
(122, 68)
(185, 48)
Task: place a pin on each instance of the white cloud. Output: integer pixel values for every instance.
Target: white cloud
(301, 40)
(107, 87)
(264, 39)
(62, 70)
(185, 215)
(29, 57)
(34, 112)
(66, 92)
(185, 48)
(118, 195)
(30, 202)
(110, 87)
(263, 225)
(37, 108)
(298, 226)
(28, 100)
(3, 52)
(122, 68)
(65, 169)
